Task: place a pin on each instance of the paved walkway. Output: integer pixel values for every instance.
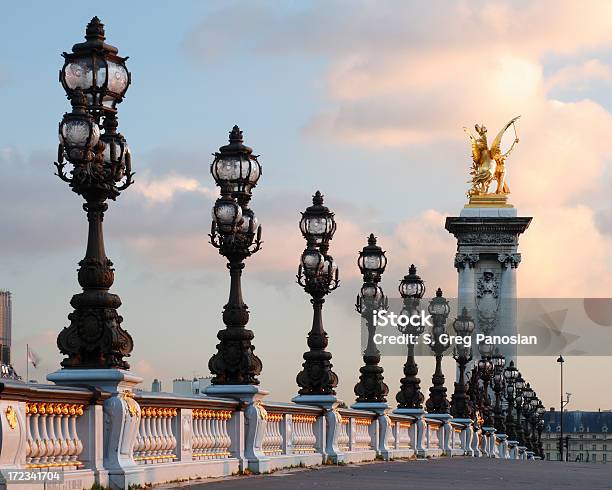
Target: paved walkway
(455, 474)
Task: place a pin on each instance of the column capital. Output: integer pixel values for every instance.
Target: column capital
(509, 260)
(466, 260)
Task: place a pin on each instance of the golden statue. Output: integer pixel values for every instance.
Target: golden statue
(484, 171)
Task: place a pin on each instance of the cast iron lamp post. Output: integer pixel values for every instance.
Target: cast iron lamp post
(485, 370)
(499, 363)
(461, 406)
(475, 396)
(510, 375)
(532, 421)
(528, 395)
(95, 79)
(318, 275)
(372, 262)
(540, 427)
(520, 386)
(411, 289)
(439, 310)
(236, 233)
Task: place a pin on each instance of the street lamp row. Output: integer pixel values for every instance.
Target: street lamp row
(94, 159)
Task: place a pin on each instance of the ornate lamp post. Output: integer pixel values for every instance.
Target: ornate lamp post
(95, 79)
(540, 427)
(237, 235)
(461, 406)
(372, 262)
(510, 375)
(318, 275)
(528, 396)
(499, 363)
(520, 386)
(439, 310)
(411, 289)
(532, 421)
(485, 370)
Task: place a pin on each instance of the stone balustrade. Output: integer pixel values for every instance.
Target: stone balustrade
(273, 439)
(52, 439)
(210, 434)
(185, 437)
(156, 439)
(344, 437)
(304, 439)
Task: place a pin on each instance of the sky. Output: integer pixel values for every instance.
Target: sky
(364, 100)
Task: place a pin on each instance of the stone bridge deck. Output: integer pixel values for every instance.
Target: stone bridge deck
(455, 473)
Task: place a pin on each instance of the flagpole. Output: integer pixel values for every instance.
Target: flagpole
(27, 364)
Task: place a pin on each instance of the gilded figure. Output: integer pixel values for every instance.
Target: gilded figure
(489, 163)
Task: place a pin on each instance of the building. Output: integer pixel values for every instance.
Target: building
(156, 386)
(5, 327)
(587, 434)
(195, 386)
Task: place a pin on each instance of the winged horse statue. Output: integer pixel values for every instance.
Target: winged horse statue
(489, 164)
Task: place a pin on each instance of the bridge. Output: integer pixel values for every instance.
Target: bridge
(93, 428)
(119, 438)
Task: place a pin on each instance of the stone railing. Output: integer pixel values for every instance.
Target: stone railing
(304, 439)
(210, 434)
(362, 430)
(434, 437)
(51, 435)
(156, 439)
(293, 435)
(45, 427)
(177, 438)
(344, 437)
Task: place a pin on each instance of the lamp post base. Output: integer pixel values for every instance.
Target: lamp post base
(329, 403)
(466, 435)
(122, 413)
(446, 441)
(255, 416)
(377, 407)
(419, 428)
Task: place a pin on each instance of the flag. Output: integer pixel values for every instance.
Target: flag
(33, 358)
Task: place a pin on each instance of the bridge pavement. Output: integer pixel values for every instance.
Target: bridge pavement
(455, 474)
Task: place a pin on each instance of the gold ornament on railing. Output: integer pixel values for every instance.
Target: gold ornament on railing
(43, 408)
(11, 416)
(158, 412)
(275, 417)
(304, 418)
(201, 413)
(488, 165)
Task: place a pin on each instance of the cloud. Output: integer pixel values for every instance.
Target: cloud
(580, 76)
(576, 254)
(407, 77)
(162, 190)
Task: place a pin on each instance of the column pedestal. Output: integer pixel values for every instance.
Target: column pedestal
(466, 436)
(121, 418)
(384, 426)
(331, 428)
(445, 419)
(419, 428)
(255, 416)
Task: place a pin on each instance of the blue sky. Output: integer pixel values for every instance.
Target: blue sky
(364, 100)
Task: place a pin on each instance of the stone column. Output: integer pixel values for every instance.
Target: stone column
(487, 241)
(465, 264)
(508, 302)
